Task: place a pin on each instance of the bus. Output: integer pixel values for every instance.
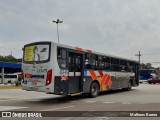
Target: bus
(11, 78)
(147, 74)
(64, 70)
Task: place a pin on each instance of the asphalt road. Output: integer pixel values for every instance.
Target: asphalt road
(143, 98)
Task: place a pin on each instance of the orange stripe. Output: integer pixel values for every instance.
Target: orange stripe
(103, 80)
(108, 81)
(79, 49)
(93, 74)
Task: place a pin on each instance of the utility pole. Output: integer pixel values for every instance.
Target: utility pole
(139, 56)
(58, 21)
(11, 52)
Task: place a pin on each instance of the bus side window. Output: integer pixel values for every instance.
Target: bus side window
(114, 64)
(87, 64)
(62, 58)
(91, 61)
(78, 63)
(101, 62)
(71, 63)
(123, 65)
(130, 67)
(107, 63)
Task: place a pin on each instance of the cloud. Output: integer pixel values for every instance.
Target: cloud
(118, 27)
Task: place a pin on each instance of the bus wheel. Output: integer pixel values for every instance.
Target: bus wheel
(9, 81)
(94, 90)
(129, 86)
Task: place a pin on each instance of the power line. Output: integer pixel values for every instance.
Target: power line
(149, 61)
(151, 54)
(10, 48)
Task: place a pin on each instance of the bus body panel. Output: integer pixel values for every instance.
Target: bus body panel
(11, 78)
(147, 74)
(35, 74)
(118, 80)
(68, 74)
(69, 81)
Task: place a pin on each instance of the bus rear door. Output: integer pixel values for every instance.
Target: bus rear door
(76, 68)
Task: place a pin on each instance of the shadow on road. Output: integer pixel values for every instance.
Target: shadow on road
(67, 99)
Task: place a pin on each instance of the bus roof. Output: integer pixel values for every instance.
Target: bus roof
(94, 52)
(84, 50)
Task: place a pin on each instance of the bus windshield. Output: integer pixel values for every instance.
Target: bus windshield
(36, 53)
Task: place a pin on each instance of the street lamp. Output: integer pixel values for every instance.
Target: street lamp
(58, 21)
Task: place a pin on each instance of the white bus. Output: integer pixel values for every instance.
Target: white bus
(10, 78)
(64, 70)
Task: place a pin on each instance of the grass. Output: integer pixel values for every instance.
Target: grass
(10, 87)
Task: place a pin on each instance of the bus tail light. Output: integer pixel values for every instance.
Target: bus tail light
(49, 77)
(22, 76)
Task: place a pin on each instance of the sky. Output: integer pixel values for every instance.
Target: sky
(116, 27)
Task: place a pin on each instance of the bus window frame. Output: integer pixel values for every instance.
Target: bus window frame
(66, 59)
(38, 62)
(113, 64)
(106, 62)
(96, 63)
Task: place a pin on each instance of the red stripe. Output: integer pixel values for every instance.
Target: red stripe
(100, 73)
(89, 51)
(93, 74)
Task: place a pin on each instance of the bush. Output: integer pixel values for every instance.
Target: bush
(17, 83)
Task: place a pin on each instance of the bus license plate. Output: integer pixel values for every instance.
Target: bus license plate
(34, 83)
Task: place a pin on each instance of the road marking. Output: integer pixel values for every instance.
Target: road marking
(90, 101)
(6, 108)
(59, 108)
(21, 98)
(108, 102)
(3, 100)
(126, 103)
(47, 96)
(68, 118)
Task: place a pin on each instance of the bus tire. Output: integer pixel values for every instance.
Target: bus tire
(94, 90)
(9, 81)
(129, 87)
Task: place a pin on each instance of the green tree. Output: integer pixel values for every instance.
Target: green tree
(143, 66)
(8, 58)
(146, 66)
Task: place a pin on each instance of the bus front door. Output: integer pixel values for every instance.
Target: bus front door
(75, 72)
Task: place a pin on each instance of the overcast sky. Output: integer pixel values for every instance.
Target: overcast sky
(116, 27)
